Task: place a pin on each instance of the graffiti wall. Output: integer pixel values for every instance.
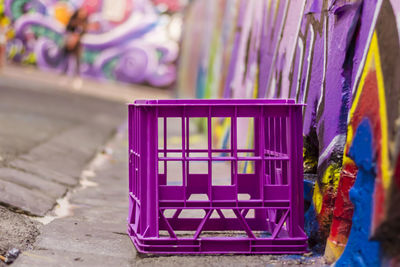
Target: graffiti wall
(134, 41)
(341, 58)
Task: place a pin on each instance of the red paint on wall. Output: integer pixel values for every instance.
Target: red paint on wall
(324, 218)
(343, 211)
(368, 106)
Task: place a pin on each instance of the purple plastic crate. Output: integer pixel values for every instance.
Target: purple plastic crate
(166, 217)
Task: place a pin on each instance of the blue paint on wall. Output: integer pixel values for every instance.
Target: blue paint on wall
(360, 251)
(308, 190)
(310, 220)
(311, 227)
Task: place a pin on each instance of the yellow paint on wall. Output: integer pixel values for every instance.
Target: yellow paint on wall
(373, 62)
(331, 177)
(333, 251)
(317, 198)
(385, 165)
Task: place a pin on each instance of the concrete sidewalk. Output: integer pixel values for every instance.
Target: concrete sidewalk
(94, 232)
(49, 133)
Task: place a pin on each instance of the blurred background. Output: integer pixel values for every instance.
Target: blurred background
(128, 41)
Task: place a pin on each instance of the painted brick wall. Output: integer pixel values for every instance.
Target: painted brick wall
(341, 58)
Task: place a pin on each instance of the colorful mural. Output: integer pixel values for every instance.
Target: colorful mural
(341, 58)
(134, 41)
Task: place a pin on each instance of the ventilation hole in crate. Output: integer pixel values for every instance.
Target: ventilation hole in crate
(274, 215)
(215, 215)
(246, 166)
(262, 234)
(221, 173)
(160, 133)
(269, 172)
(221, 133)
(244, 197)
(169, 213)
(198, 167)
(197, 126)
(271, 215)
(198, 155)
(174, 133)
(163, 234)
(179, 234)
(174, 154)
(192, 213)
(161, 165)
(278, 135)
(285, 172)
(174, 173)
(228, 213)
(245, 133)
(250, 214)
(184, 234)
(278, 176)
(223, 233)
(221, 154)
(245, 154)
(198, 197)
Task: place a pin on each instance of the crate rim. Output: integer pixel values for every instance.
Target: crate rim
(216, 102)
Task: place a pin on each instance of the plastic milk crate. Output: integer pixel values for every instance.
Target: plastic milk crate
(188, 209)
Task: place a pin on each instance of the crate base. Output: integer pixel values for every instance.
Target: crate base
(215, 245)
